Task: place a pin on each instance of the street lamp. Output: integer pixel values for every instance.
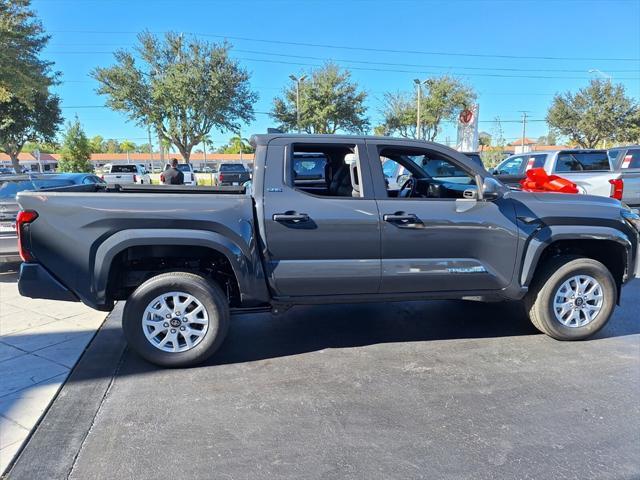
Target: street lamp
(298, 82)
(419, 84)
(600, 72)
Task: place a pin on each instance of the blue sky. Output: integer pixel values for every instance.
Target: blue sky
(495, 46)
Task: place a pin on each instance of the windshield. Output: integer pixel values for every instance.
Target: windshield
(230, 167)
(310, 168)
(123, 169)
(9, 189)
(184, 167)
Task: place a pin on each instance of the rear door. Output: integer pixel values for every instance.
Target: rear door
(441, 240)
(630, 169)
(320, 241)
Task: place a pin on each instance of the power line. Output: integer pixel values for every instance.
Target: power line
(371, 69)
(392, 64)
(366, 49)
(269, 113)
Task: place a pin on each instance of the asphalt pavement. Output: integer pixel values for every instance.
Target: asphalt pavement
(434, 390)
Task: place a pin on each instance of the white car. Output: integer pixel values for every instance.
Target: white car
(125, 174)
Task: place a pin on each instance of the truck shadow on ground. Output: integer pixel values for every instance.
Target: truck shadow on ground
(313, 328)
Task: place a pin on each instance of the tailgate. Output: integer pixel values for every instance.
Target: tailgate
(596, 183)
(118, 177)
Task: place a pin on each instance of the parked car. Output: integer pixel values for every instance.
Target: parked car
(9, 188)
(125, 174)
(626, 161)
(182, 259)
(590, 170)
(187, 172)
(231, 174)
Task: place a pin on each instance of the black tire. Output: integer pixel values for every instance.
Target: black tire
(539, 300)
(207, 293)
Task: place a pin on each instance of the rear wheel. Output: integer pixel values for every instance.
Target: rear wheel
(571, 298)
(176, 319)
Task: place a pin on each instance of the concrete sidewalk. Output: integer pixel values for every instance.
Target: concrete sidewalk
(40, 342)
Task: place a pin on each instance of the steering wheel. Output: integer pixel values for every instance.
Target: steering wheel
(408, 188)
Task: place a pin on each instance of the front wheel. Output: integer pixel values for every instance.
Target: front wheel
(176, 319)
(571, 298)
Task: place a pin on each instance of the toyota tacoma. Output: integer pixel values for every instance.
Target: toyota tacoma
(184, 259)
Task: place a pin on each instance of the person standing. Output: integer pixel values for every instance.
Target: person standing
(172, 176)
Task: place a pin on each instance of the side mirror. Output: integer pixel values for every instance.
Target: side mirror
(491, 189)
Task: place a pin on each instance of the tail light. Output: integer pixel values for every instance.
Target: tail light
(24, 218)
(102, 177)
(162, 177)
(135, 178)
(617, 188)
(220, 177)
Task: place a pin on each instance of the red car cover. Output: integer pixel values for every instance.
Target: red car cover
(537, 180)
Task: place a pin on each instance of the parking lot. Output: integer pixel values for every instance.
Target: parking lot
(415, 390)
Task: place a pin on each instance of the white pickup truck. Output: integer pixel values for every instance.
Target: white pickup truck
(591, 170)
(125, 174)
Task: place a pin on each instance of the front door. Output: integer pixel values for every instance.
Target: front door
(321, 220)
(435, 235)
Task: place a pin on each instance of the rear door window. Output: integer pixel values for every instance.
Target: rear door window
(583, 162)
(631, 159)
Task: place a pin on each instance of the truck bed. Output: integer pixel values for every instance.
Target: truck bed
(73, 226)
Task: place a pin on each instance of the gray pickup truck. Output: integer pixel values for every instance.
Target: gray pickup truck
(185, 259)
(626, 161)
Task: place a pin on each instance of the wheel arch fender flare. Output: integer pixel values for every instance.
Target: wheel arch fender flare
(243, 260)
(546, 236)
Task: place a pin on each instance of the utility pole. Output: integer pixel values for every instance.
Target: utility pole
(150, 146)
(419, 84)
(524, 128)
(298, 82)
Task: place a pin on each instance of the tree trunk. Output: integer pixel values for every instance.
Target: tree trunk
(15, 162)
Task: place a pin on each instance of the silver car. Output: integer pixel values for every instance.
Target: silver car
(626, 161)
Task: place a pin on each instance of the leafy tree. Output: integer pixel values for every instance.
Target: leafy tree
(329, 102)
(484, 139)
(235, 145)
(443, 99)
(97, 144)
(22, 39)
(20, 123)
(76, 149)
(127, 146)
(43, 147)
(183, 88)
(143, 148)
(600, 112)
(28, 112)
(111, 145)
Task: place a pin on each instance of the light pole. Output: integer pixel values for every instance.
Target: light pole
(419, 84)
(600, 72)
(298, 82)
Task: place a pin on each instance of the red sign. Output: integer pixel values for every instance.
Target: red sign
(466, 117)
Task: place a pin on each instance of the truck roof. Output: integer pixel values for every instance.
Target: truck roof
(265, 138)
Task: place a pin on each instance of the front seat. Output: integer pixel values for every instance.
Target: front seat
(340, 185)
